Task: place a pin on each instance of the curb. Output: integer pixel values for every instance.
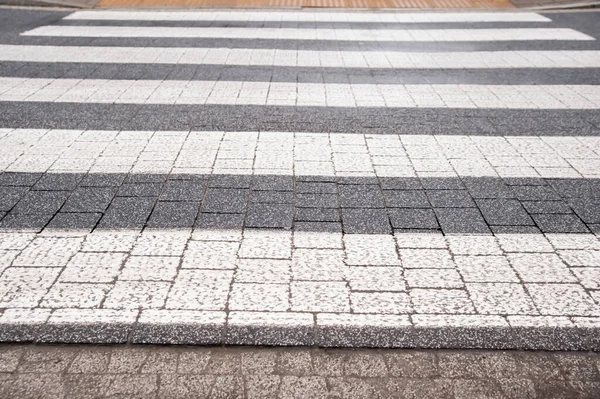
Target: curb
(296, 329)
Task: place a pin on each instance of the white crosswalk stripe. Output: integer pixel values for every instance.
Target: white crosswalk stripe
(308, 16)
(303, 58)
(299, 94)
(387, 35)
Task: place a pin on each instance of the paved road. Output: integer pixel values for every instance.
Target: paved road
(422, 180)
(28, 371)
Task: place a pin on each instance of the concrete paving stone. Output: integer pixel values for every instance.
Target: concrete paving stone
(200, 290)
(24, 223)
(89, 199)
(94, 361)
(10, 359)
(266, 244)
(412, 218)
(263, 296)
(555, 223)
(19, 179)
(504, 212)
(316, 187)
(10, 196)
(461, 220)
(533, 207)
(574, 241)
(187, 327)
(473, 245)
(370, 250)
(270, 216)
(365, 221)
(485, 269)
(406, 199)
(173, 214)
(586, 209)
(425, 240)
(273, 183)
(74, 221)
(317, 200)
(540, 268)
(558, 299)
(433, 278)
(150, 268)
(380, 302)
(48, 252)
(161, 243)
(500, 298)
(263, 271)
(375, 279)
(175, 190)
(137, 294)
(450, 198)
(139, 190)
(412, 364)
(445, 301)
(58, 182)
(524, 243)
(317, 240)
(40, 202)
(426, 258)
(109, 241)
(535, 193)
(185, 386)
(88, 326)
(102, 180)
(272, 197)
(588, 277)
(344, 330)
(308, 296)
(360, 196)
(75, 295)
(317, 215)
(127, 213)
(210, 255)
(261, 328)
(318, 265)
(580, 258)
(220, 200)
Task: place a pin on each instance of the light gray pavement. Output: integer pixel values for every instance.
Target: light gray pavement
(300, 178)
(29, 371)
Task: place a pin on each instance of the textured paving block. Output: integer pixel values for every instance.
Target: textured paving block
(88, 326)
(264, 328)
(179, 327)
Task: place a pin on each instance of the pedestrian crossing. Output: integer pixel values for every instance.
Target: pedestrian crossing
(309, 178)
(325, 34)
(308, 16)
(303, 58)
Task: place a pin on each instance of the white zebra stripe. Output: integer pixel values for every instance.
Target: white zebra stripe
(390, 17)
(298, 153)
(302, 58)
(300, 94)
(379, 35)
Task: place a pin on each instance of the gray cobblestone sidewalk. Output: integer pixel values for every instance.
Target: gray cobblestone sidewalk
(28, 371)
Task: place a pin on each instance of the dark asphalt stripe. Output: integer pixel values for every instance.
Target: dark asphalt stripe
(118, 201)
(520, 76)
(303, 44)
(443, 121)
(306, 25)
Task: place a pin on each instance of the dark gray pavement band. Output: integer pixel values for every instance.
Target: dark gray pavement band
(470, 205)
(128, 71)
(442, 121)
